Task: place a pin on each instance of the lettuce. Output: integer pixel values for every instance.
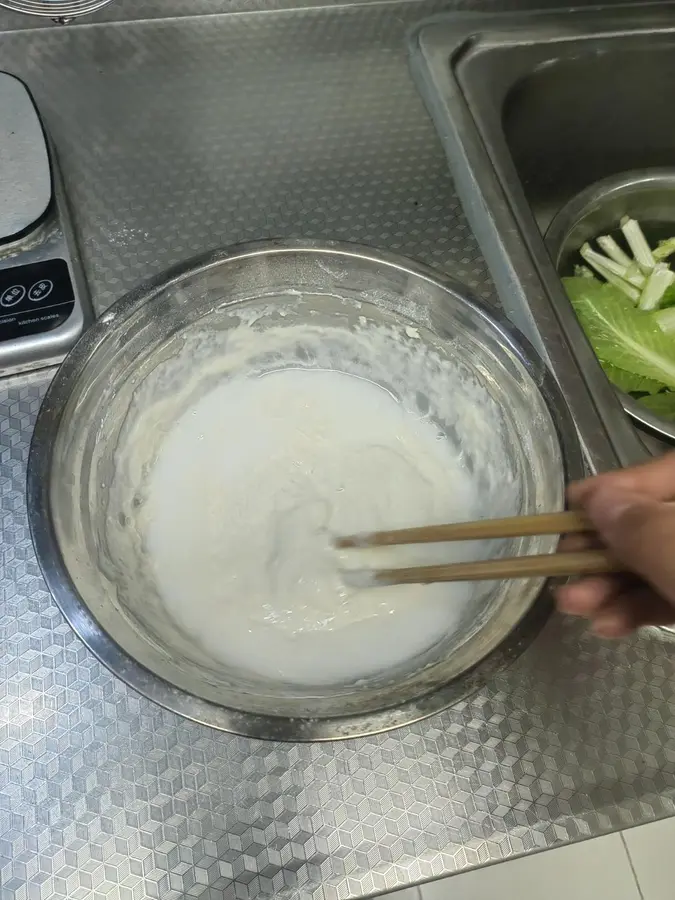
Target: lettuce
(661, 404)
(630, 383)
(622, 335)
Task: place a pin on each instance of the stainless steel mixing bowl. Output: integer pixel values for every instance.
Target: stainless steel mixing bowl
(76, 447)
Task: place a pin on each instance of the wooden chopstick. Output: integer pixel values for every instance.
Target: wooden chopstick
(547, 565)
(483, 529)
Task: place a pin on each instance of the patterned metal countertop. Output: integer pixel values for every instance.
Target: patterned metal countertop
(180, 134)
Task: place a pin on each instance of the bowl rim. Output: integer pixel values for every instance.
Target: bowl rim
(569, 216)
(179, 701)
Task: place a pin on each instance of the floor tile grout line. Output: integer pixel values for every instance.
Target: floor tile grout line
(632, 867)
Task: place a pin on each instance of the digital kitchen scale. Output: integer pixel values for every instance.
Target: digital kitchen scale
(44, 304)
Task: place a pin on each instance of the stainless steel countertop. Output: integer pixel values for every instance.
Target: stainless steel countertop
(176, 135)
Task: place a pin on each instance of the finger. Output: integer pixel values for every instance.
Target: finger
(648, 608)
(626, 612)
(613, 623)
(573, 543)
(655, 479)
(639, 532)
(588, 596)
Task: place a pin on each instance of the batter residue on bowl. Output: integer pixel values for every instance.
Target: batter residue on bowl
(289, 437)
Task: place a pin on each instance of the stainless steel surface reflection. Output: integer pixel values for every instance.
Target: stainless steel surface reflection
(77, 441)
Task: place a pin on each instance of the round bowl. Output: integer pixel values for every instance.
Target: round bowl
(647, 195)
(55, 9)
(83, 424)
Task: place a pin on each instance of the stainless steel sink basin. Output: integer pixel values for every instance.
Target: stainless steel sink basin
(532, 109)
(577, 107)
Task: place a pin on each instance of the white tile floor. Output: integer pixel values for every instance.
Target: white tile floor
(638, 864)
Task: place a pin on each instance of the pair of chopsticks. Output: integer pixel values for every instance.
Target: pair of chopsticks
(548, 565)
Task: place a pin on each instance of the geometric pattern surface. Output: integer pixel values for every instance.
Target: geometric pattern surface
(176, 136)
(182, 135)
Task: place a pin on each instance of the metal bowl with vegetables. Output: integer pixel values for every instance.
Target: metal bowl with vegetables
(614, 247)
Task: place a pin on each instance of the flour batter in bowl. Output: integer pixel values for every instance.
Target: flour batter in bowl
(243, 430)
(249, 490)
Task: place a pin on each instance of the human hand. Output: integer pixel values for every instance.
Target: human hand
(634, 515)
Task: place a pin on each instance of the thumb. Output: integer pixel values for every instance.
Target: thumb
(640, 532)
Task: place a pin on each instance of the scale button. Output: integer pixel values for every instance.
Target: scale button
(40, 290)
(13, 295)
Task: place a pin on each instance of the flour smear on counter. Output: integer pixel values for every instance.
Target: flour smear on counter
(284, 439)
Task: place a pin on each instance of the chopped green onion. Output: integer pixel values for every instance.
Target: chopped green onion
(631, 274)
(597, 262)
(665, 249)
(632, 293)
(637, 243)
(660, 279)
(583, 272)
(612, 249)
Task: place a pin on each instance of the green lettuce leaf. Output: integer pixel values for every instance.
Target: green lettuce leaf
(621, 334)
(630, 383)
(668, 298)
(660, 404)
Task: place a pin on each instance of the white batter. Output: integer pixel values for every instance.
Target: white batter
(249, 488)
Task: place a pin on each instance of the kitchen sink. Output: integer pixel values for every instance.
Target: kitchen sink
(576, 111)
(532, 108)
